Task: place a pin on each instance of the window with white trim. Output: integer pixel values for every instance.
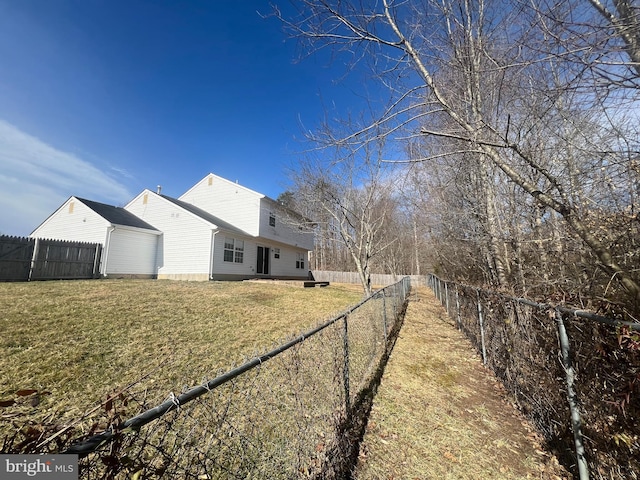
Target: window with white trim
(300, 260)
(233, 250)
(272, 219)
(276, 253)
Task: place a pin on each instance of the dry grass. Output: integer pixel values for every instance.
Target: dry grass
(439, 414)
(75, 342)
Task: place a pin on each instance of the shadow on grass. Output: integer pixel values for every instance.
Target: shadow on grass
(342, 457)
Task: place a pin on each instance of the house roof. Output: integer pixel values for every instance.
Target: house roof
(205, 215)
(116, 215)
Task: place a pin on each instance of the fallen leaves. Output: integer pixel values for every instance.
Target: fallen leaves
(25, 396)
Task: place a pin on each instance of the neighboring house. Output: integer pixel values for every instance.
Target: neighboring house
(280, 239)
(218, 230)
(129, 244)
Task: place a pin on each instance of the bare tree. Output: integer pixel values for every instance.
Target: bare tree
(353, 201)
(600, 38)
(469, 73)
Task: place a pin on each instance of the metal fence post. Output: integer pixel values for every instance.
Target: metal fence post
(394, 304)
(384, 317)
(576, 422)
(484, 351)
(345, 371)
(458, 308)
(446, 296)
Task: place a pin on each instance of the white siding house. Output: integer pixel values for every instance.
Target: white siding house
(281, 238)
(218, 230)
(129, 244)
(194, 245)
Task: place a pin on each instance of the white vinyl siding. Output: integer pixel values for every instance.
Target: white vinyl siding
(185, 245)
(286, 229)
(222, 267)
(81, 225)
(285, 265)
(228, 201)
(254, 214)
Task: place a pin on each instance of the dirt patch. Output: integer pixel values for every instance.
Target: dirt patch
(439, 413)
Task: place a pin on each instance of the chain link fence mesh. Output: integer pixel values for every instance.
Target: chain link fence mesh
(281, 415)
(521, 346)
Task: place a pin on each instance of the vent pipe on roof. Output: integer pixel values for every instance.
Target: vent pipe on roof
(158, 189)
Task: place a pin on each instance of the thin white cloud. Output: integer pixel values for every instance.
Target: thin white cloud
(35, 178)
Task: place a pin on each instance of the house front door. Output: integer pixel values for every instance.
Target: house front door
(263, 261)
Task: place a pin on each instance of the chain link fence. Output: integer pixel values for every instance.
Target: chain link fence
(574, 374)
(293, 412)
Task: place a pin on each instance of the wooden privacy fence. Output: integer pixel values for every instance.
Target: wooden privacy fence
(24, 259)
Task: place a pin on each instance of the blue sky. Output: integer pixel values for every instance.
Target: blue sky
(103, 98)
